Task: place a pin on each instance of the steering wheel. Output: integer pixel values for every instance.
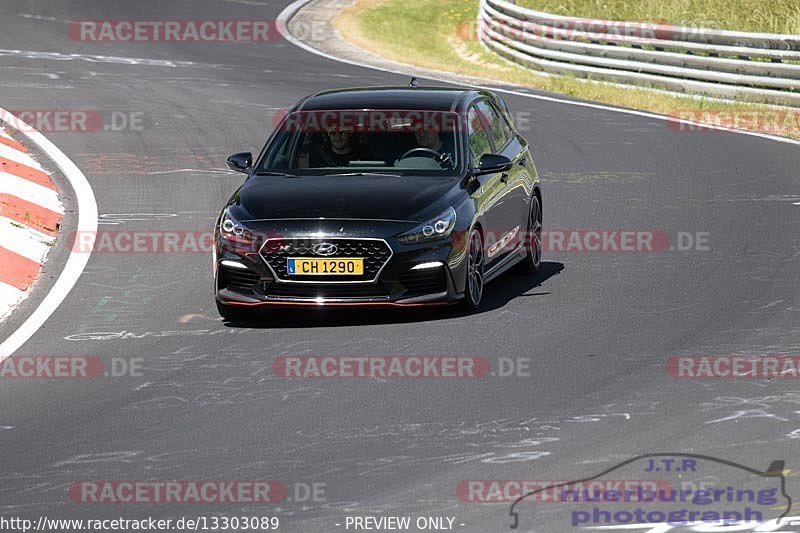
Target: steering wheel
(427, 151)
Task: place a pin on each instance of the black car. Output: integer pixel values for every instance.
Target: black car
(395, 196)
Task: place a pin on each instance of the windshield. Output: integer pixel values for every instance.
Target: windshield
(364, 141)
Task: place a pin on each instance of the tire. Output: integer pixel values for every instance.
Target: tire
(533, 238)
(232, 313)
(473, 288)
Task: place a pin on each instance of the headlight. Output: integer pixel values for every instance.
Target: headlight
(232, 231)
(434, 229)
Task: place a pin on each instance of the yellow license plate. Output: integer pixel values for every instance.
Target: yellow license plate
(340, 266)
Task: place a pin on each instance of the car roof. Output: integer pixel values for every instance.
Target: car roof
(416, 98)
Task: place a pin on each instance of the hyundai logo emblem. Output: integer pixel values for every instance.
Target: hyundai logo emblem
(325, 248)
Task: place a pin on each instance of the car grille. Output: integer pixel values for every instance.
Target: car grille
(238, 279)
(376, 254)
(306, 290)
(426, 281)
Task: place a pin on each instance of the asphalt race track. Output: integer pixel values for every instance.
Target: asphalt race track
(597, 327)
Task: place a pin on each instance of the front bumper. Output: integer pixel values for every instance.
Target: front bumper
(253, 278)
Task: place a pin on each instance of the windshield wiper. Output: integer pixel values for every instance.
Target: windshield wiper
(367, 174)
(270, 173)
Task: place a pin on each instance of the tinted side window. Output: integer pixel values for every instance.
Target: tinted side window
(498, 127)
(279, 157)
(479, 142)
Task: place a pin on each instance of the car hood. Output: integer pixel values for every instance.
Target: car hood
(408, 198)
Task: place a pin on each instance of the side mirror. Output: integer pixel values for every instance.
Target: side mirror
(240, 162)
(491, 163)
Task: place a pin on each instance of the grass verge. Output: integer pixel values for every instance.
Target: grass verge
(768, 16)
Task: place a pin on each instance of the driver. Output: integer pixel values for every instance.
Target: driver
(431, 138)
(342, 147)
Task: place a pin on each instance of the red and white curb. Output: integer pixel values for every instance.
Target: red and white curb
(30, 212)
(30, 216)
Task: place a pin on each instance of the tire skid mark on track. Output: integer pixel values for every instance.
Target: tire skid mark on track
(135, 61)
(131, 335)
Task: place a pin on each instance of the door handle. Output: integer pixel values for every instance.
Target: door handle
(504, 177)
(522, 161)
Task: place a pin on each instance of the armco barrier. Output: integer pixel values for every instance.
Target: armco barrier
(718, 63)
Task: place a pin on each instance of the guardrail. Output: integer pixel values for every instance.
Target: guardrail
(718, 63)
